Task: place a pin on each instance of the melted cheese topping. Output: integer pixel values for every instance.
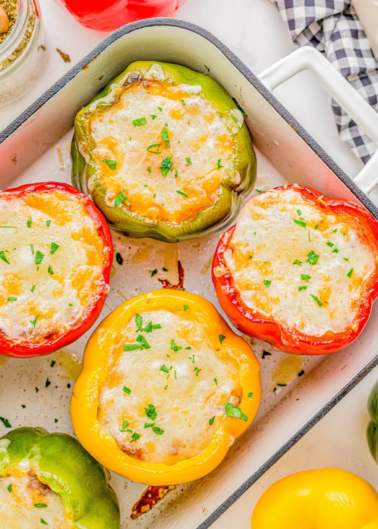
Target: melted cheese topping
(18, 505)
(45, 290)
(187, 388)
(275, 272)
(201, 151)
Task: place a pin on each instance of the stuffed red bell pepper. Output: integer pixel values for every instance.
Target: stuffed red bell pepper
(299, 270)
(55, 257)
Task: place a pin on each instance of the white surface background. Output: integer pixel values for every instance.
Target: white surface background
(255, 32)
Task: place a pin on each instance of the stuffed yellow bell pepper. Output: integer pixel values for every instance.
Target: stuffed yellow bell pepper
(327, 498)
(165, 389)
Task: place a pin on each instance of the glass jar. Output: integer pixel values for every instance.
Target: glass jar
(22, 54)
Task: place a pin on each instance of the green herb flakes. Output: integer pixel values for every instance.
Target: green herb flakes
(112, 164)
(6, 423)
(317, 300)
(312, 257)
(139, 122)
(234, 411)
(38, 257)
(152, 150)
(300, 223)
(165, 137)
(54, 247)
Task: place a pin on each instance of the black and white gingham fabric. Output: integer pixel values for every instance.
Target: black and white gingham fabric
(332, 27)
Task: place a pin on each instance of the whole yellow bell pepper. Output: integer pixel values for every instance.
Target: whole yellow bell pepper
(85, 400)
(327, 498)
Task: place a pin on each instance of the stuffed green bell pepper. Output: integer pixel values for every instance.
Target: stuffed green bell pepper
(164, 153)
(50, 480)
(372, 429)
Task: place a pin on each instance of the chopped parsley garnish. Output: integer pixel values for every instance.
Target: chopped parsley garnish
(221, 338)
(165, 137)
(4, 257)
(297, 262)
(305, 277)
(150, 412)
(34, 322)
(166, 165)
(6, 423)
(152, 327)
(141, 339)
(300, 223)
(32, 288)
(234, 411)
(157, 430)
(153, 116)
(303, 287)
(9, 488)
(38, 257)
(181, 193)
(12, 298)
(211, 421)
(150, 148)
(267, 283)
(330, 244)
(48, 222)
(40, 505)
(250, 395)
(139, 122)
(149, 169)
(50, 271)
(175, 348)
(153, 272)
(219, 166)
(312, 257)
(29, 223)
(188, 161)
(134, 437)
(54, 247)
(121, 197)
(237, 104)
(126, 390)
(125, 424)
(350, 272)
(112, 164)
(317, 300)
(186, 307)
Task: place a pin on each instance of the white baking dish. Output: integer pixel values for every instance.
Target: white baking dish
(36, 148)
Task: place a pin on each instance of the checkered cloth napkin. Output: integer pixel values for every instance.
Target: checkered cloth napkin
(333, 28)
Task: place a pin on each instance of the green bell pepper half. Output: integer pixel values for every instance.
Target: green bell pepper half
(59, 461)
(218, 215)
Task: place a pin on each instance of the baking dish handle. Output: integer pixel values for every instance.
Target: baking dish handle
(349, 99)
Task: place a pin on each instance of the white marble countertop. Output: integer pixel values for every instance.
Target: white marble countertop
(254, 31)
